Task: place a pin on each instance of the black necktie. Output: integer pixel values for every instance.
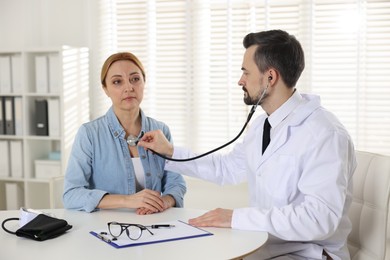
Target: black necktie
(266, 134)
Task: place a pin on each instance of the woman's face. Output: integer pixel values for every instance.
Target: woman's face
(124, 85)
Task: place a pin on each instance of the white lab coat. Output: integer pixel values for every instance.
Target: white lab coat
(301, 187)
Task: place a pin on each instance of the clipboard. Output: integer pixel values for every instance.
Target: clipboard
(181, 230)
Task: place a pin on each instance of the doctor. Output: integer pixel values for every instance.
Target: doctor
(300, 186)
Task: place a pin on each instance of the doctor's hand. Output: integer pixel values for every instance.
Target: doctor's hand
(214, 218)
(156, 141)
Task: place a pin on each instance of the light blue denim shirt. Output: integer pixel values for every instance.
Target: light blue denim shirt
(100, 163)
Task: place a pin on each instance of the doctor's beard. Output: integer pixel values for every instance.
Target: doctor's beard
(248, 100)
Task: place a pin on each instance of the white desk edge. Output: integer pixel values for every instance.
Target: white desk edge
(77, 243)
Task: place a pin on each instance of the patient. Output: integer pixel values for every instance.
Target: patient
(106, 169)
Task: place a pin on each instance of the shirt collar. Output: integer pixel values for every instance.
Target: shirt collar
(116, 128)
(285, 110)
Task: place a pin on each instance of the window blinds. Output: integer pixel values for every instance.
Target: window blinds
(192, 51)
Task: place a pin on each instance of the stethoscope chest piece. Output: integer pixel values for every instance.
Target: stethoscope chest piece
(132, 140)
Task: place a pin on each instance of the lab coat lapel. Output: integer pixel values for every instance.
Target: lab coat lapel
(277, 141)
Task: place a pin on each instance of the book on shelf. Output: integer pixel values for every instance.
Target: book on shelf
(41, 117)
(53, 110)
(4, 159)
(5, 74)
(41, 74)
(18, 115)
(13, 195)
(9, 115)
(16, 75)
(2, 116)
(54, 73)
(16, 158)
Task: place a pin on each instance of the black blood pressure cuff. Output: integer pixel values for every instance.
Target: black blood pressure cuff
(41, 228)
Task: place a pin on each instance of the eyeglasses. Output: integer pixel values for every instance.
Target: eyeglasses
(133, 231)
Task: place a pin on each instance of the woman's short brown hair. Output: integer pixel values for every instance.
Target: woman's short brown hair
(116, 57)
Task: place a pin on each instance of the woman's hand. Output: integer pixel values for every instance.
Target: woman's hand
(156, 141)
(169, 202)
(149, 200)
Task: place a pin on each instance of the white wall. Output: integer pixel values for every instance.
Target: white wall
(26, 23)
(51, 23)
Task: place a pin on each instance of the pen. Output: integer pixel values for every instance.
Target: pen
(162, 226)
(107, 240)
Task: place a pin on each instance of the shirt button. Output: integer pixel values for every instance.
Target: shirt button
(148, 174)
(143, 157)
(116, 134)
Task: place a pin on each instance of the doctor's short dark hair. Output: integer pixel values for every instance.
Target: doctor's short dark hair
(279, 50)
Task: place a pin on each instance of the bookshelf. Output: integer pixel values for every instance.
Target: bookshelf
(44, 94)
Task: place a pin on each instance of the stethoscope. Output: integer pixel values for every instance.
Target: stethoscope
(133, 140)
(253, 109)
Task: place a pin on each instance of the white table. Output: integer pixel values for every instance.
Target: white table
(77, 243)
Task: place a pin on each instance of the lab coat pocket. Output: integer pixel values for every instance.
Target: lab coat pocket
(282, 179)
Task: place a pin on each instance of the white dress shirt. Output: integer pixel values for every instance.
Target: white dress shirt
(300, 188)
